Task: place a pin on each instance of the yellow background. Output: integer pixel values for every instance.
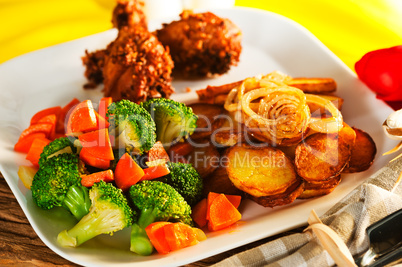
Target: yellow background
(350, 28)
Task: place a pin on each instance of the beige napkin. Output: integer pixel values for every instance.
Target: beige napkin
(379, 196)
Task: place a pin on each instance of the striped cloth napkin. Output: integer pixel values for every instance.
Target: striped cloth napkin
(379, 196)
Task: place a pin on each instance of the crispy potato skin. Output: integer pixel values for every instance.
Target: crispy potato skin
(219, 182)
(201, 44)
(260, 171)
(210, 119)
(363, 153)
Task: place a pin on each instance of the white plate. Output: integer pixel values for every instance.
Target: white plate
(53, 76)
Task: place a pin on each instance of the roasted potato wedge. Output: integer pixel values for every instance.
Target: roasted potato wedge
(209, 119)
(219, 182)
(260, 171)
(209, 94)
(363, 153)
(204, 157)
(322, 156)
(287, 197)
(314, 85)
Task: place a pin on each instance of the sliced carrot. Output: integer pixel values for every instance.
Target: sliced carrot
(210, 198)
(82, 119)
(24, 144)
(45, 128)
(180, 235)
(94, 161)
(234, 199)
(156, 234)
(158, 152)
(101, 121)
(103, 105)
(222, 213)
(199, 213)
(90, 179)
(62, 120)
(45, 112)
(127, 172)
(36, 149)
(97, 143)
(156, 171)
(52, 119)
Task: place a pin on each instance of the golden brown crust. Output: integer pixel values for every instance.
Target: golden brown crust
(94, 62)
(201, 44)
(129, 13)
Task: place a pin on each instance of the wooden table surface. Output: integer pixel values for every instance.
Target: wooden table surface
(20, 246)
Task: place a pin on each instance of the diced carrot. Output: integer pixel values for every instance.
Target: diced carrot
(222, 213)
(45, 128)
(36, 149)
(103, 105)
(63, 115)
(199, 213)
(156, 234)
(101, 121)
(24, 144)
(94, 161)
(52, 119)
(178, 151)
(127, 172)
(180, 235)
(158, 152)
(97, 143)
(234, 199)
(82, 119)
(156, 171)
(90, 179)
(210, 198)
(45, 112)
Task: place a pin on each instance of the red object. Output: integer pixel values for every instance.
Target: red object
(45, 112)
(36, 149)
(156, 171)
(158, 152)
(24, 144)
(381, 71)
(66, 110)
(156, 234)
(52, 119)
(101, 121)
(222, 213)
(94, 161)
(103, 105)
(127, 172)
(97, 143)
(199, 213)
(90, 179)
(45, 128)
(82, 119)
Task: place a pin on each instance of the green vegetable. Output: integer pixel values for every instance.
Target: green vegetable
(186, 180)
(58, 183)
(132, 125)
(109, 213)
(155, 201)
(173, 120)
(57, 146)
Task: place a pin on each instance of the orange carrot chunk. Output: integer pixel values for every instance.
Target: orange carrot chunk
(97, 143)
(199, 213)
(24, 144)
(82, 118)
(45, 128)
(180, 235)
(127, 172)
(90, 179)
(94, 161)
(101, 121)
(103, 105)
(66, 110)
(158, 152)
(156, 171)
(156, 234)
(222, 213)
(36, 149)
(45, 112)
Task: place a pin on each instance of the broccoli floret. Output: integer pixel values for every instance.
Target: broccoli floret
(57, 183)
(109, 212)
(173, 120)
(186, 180)
(155, 201)
(57, 146)
(132, 125)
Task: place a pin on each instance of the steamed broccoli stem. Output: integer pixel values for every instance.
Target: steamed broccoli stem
(77, 201)
(140, 242)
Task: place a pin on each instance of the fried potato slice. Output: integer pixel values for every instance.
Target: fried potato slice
(204, 157)
(287, 197)
(322, 156)
(219, 182)
(314, 85)
(210, 93)
(209, 119)
(260, 171)
(363, 153)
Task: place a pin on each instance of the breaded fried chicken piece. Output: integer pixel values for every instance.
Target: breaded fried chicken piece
(201, 44)
(129, 13)
(94, 62)
(137, 67)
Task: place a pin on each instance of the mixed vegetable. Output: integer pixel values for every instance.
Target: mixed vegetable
(110, 168)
